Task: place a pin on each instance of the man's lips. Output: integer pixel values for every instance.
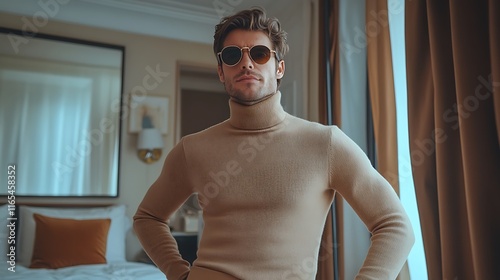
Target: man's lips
(247, 78)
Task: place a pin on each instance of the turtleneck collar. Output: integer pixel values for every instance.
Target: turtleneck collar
(264, 114)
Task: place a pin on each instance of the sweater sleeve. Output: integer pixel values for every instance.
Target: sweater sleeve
(376, 203)
(163, 198)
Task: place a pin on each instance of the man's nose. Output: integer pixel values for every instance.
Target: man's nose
(246, 62)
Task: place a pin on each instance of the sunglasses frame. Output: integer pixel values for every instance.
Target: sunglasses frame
(249, 49)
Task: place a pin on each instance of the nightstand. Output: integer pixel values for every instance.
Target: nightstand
(188, 244)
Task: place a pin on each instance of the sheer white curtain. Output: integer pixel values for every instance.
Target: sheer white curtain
(102, 135)
(353, 88)
(51, 129)
(39, 103)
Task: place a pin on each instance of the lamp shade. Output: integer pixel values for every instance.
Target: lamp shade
(149, 139)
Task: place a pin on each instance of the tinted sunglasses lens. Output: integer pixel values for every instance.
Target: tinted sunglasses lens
(231, 55)
(260, 54)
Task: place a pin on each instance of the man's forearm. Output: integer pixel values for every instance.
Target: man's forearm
(160, 245)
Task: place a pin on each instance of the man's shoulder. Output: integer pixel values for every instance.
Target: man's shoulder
(211, 131)
(311, 126)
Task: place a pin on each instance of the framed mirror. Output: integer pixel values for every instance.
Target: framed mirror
(60, 102)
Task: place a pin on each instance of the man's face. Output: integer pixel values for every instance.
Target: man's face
(249, 82)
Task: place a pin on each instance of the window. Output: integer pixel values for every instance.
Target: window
(416, 259)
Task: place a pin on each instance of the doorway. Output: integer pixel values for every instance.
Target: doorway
(203, 101)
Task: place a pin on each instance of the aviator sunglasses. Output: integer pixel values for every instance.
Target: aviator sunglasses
(231, 55)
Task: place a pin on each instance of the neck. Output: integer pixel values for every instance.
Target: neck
(252, 102)
(264, 113)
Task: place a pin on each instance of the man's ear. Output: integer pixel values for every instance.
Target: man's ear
(280, 70)
(221, 73)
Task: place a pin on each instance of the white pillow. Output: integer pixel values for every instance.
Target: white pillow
(115, 250)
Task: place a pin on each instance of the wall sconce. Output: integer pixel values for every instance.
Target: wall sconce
(149, 145)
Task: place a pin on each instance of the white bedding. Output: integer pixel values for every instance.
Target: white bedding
(114, 271)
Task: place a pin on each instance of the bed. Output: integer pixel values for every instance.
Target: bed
(118, 271)
(68, 243)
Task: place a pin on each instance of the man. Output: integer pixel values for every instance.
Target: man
(266, 179)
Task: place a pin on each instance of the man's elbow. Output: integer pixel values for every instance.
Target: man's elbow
(408, 233)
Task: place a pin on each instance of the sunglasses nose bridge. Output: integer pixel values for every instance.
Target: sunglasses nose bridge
(248, 56)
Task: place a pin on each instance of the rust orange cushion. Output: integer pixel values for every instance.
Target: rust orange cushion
(67, 242)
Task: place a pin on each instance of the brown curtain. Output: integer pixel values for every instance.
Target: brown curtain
(453, 76)
(326, 257)
(381, 89)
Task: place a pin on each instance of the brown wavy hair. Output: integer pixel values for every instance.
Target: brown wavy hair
(254, 19)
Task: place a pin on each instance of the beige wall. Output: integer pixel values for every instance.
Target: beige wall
(140, 52)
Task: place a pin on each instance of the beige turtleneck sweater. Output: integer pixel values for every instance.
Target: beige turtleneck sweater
(265, 180)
